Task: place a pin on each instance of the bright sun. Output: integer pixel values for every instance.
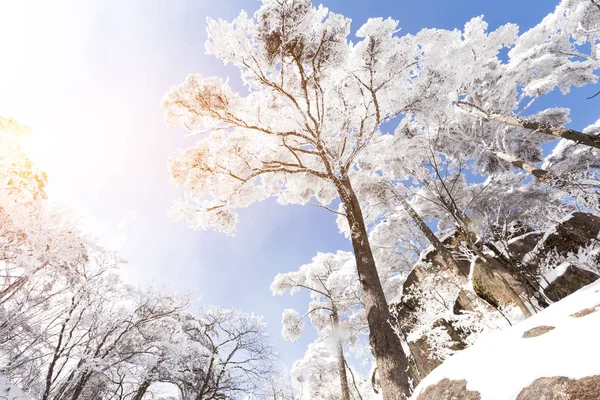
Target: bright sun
(38, 73)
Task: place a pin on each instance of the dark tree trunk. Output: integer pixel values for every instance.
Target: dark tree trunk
(78, 390)
(142, 390)
(386, 346)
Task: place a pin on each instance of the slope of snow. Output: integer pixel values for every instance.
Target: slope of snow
(8, 391)
(502, 363)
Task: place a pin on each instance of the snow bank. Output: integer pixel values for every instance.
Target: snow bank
(502, 363)
(8, 391)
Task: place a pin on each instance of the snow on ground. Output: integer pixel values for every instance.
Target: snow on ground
(502, 363)
(10, 392)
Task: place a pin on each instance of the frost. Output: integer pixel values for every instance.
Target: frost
(293, 326)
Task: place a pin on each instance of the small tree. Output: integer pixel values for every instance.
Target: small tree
(228, 356)
(335, 293)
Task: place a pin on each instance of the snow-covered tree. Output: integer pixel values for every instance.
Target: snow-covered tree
(314, 102)
(550, 55)
(336, 309)
(237, 362)
(70, 328)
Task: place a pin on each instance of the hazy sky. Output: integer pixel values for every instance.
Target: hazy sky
(89, 76)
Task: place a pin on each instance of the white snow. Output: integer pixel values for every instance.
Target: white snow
(502, 363)
(554, 273)
(517, 238)
(8, 391)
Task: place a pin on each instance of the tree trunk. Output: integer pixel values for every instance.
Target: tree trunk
(78, 390)
(559, 132)
(341, 358)
(435, 242)
(142, 390)
(392, 363)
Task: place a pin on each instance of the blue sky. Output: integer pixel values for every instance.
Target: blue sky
(89, 77)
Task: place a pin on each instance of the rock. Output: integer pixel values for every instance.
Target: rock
(494, 283)
(449, 390)
(537, 331)
(451, 243)
(569, 282)
(562, 388)
(570, 235)
(422, 361)
(503, 365)
(462, 303)
(585, 311)
(523, 245)
(421, 350)
(406, 307)
(586, 388)
(554, 388)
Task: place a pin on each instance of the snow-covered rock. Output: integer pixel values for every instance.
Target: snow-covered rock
(559, 344)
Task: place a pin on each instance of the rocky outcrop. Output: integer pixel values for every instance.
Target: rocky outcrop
(500, 279)
(421, 350)
(407, 305)
(567, 237)
(451, 243)
(449, 390)
(569, 282)
(562, 388)
(520, 246)
(570, 235)
(495, 283)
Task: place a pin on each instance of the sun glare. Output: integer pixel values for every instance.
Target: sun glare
(39, 47)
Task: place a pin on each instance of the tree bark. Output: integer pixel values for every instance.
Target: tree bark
(386, 346)
(83, 380)
(139, 394)
(341, 359)
(560, 132)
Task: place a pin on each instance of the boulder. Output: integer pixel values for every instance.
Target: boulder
(462, 303)
(570, 235)
(494, 283)
(449, 390)
(451, 243)
(406, 306)
(569, 282)
(520, 246)
(562, 388)
(422, 353)
(505, 365)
